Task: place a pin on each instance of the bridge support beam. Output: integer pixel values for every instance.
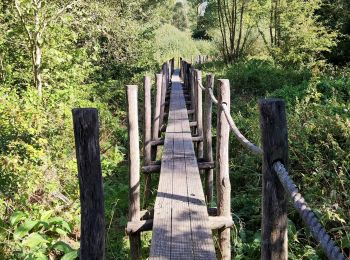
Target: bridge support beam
(86, 133)
(147, 136)
(207, 139)
(222, 169)
(274, 134)
(134, 169)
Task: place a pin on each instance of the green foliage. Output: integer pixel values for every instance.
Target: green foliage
(318, 122)
(35, 239)
(170, 43)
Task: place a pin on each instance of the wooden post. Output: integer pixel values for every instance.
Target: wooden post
(274, 134)
(155, 134)
(86, 133)
(147, 135)
(164, 90)
(222, 168)
(207, 138)
(134, 169)
(199, 110)
(193, 91)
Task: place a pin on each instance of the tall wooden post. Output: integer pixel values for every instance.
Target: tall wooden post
(86, 133)
(147, 135)
(134, 169)
(207, 138)
(193, 91)
(164, 90)
(274, 134)
(158, 100)
(199, 111)
(222, 168)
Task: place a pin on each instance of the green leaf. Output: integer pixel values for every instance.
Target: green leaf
(46, 215)
(60, 231)
(70, 256)
(17, 217)
(25, 228)
(34, 240)
(63, 247)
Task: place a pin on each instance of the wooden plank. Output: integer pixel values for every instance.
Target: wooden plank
(181, 227)
(181, 224)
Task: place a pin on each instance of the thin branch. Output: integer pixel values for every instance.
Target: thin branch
(55, 16)
(19, 12)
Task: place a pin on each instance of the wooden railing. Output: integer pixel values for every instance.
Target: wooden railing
(276, 183)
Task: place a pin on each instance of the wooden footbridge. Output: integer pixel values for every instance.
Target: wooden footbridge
(178, 147)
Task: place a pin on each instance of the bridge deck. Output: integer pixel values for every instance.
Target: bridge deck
(180, 225)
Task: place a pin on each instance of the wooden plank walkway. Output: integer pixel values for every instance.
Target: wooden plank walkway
(180, 224)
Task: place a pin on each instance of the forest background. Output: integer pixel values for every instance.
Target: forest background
(57, 55)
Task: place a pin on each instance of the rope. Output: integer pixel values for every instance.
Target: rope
(327, 244)
(213, 98)
(252, 147)
(200, 85)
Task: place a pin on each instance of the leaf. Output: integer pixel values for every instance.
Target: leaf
(60, 231)
(17, 217)
(70, 256)
(46, 215)
(25, 228)
(63, 247)
(34, 239)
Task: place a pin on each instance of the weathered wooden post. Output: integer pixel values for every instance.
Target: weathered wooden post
(274, 134)
(222, 168)
(134, 169)
(155, 133)
(193, 91)
(147, 135)
(164, 91)
(207, 138)
(199, 110)
(86, 133)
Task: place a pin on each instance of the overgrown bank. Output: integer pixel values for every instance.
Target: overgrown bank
(318, 109)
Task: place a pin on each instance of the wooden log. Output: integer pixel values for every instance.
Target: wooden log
(147, 136)
(157, 142)
(136, 227)
(207, 138)
(146, 214)
(193, 123)
(164, 90)
(134, 169)
(274, 134)
(155, 168)
(219, 222)
(160, 141)
(86, 133)
(155, 133)
(222, 168)
(199, 111)
(191, 111)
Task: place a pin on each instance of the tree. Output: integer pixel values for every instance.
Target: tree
(235, 30)
(180, 18)
(35, 17)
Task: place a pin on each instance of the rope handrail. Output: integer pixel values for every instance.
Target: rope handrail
(200, 84)
(241, 138)
(327, 244)
(213, 98)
